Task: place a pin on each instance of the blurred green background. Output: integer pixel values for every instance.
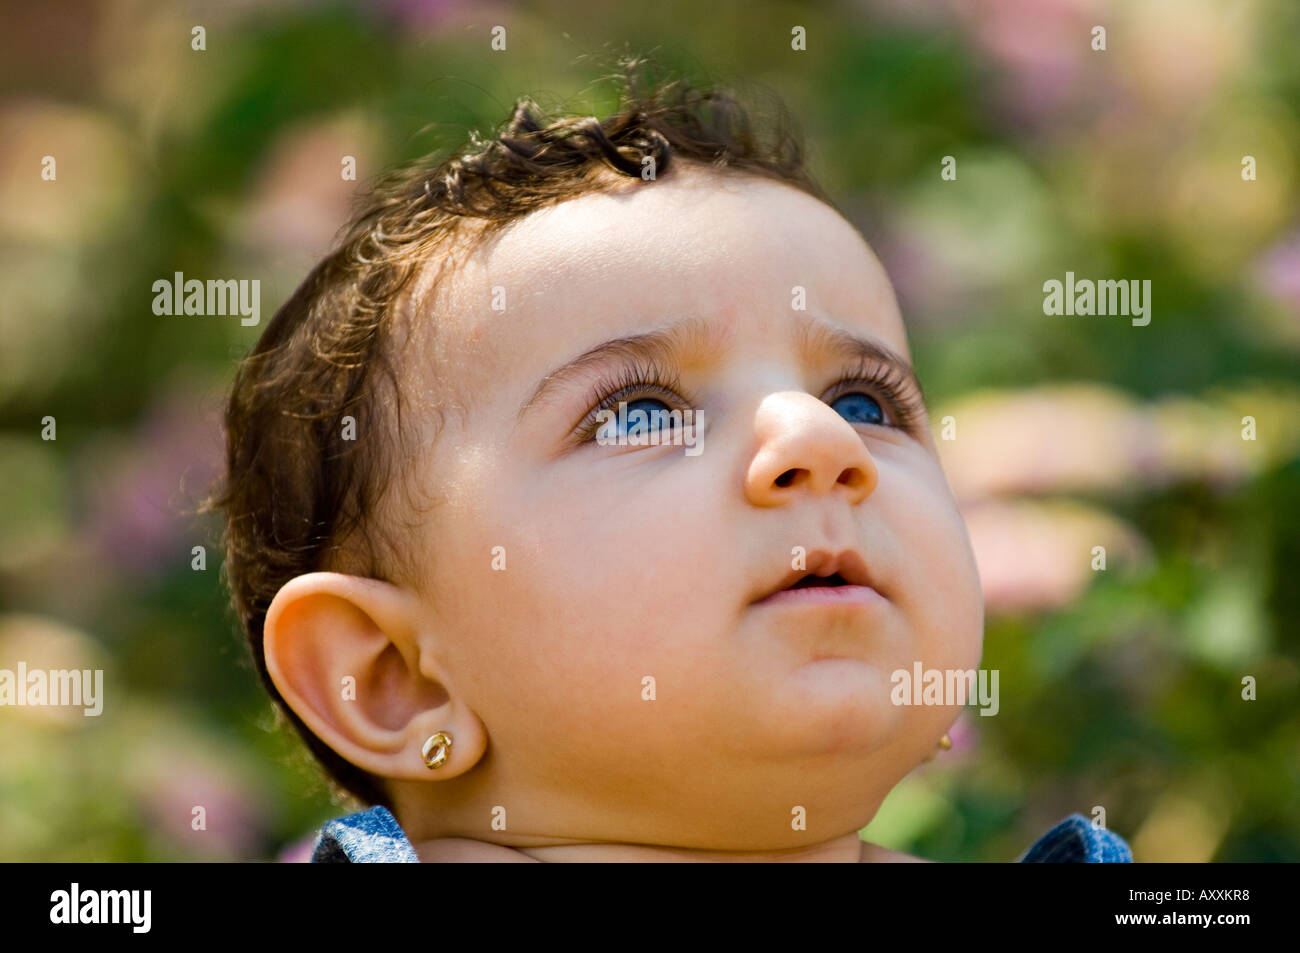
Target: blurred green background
(1120, 688)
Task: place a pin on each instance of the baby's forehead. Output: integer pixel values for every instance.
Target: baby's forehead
(746, 255)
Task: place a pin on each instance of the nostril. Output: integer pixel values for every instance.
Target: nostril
(853, 477)
(786, 478)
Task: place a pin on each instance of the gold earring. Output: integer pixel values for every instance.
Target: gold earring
(442, 742)
(945, 743)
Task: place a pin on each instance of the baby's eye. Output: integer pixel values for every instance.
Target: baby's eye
(859, 408)
(640, 419)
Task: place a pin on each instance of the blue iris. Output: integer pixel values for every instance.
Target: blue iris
(860, 409)
(645, 426)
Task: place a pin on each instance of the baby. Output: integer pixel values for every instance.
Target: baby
(583, 501)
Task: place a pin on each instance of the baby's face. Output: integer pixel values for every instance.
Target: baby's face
(629, 685)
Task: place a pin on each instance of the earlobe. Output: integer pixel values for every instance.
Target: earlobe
(344, 654)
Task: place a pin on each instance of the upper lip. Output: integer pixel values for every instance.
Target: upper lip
(849, 563)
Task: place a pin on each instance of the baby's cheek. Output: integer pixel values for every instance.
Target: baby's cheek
(593, 626)
(598, 669)
(940, 588)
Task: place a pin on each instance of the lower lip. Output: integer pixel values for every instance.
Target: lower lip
(823, 596)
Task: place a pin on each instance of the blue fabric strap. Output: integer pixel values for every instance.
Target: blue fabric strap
(1076, 841)
(367, 837)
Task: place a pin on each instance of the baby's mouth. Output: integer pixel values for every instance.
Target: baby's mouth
(835, 579)
(810, 580)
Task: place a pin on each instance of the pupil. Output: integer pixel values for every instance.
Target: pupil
(860, 409)
(639, 424)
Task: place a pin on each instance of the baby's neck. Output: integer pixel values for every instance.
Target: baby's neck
(845, 849)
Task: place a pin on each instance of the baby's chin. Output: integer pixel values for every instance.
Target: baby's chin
(833, 705)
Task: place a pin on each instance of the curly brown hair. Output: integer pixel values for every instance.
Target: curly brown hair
(298, 497)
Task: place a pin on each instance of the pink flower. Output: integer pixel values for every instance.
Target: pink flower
(298, 852)
(1040, 46)
(1051, 439)
(964, 736)
(1036, 556)
(141, 489)
(1278, 272)
(197, 805)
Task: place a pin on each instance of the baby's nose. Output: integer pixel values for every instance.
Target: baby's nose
(806, 447)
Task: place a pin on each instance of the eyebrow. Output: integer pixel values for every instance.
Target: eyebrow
(697, 335)
(819, 335)
(661, 346)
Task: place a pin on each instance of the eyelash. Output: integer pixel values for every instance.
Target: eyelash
(643, 380)
(901, 401)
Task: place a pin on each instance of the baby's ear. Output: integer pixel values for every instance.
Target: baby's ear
(344, 654)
